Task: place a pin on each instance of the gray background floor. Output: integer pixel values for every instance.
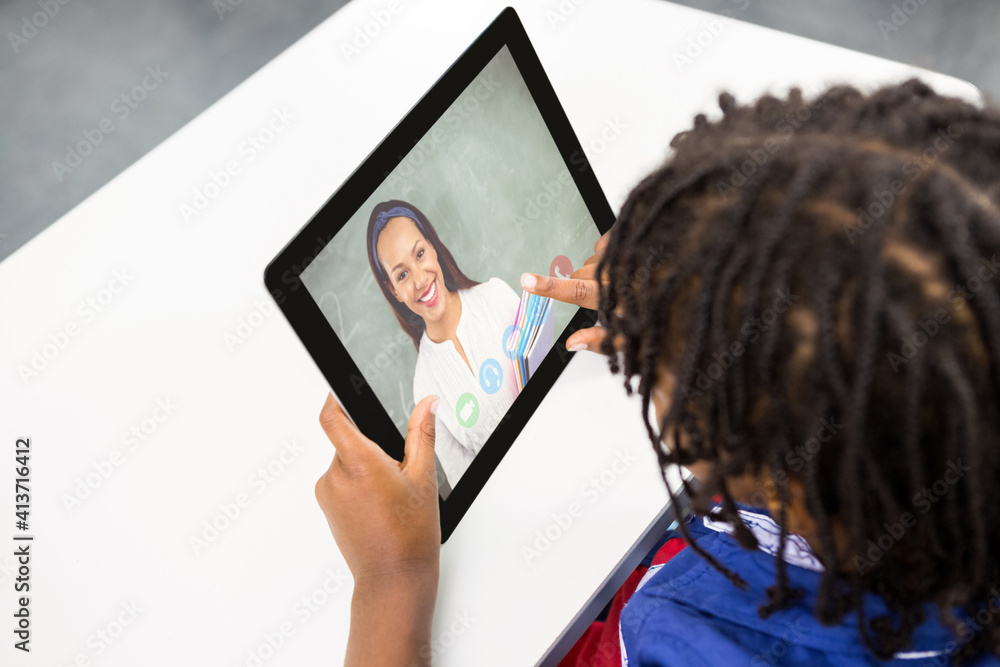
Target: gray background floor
(62, 80)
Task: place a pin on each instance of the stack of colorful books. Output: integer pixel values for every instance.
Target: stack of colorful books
(534, 315)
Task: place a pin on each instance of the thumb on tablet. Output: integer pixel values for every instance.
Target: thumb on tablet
(418, 452)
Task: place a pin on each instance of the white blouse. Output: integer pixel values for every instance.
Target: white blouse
(488, 309)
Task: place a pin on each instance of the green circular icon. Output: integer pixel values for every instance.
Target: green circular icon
(467, 410)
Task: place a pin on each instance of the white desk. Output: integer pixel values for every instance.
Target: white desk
(273, 573)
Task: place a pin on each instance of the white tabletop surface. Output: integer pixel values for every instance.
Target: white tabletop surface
(115, 578)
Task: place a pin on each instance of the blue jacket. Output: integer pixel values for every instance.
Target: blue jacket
(687, 613)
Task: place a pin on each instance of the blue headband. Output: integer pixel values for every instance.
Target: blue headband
(381, 219)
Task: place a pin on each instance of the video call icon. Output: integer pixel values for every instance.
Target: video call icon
(506, 343)
(490, 376)
(561, 267)
(467, 410)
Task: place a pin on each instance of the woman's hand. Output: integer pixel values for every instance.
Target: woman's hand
(580, 289)
(384, 516)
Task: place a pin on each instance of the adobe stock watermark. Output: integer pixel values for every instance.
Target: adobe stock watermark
(418, 498)
(30, 25)
(378, 20)
(330, 299)
(458, 625)
(796, 460)
(612, 129)
(655, 258)
(387, 358)
(132, 439)
(759, 156)
(915, 342)
(550, 191)
(562, 522)
(562, 12)
(712, 29)
(121, 107)
(962, 293)
(109, 634)
(774, 654)
(605, 655)
(912, 170)
(899, 17)
(750, 332)
(247, 151)
(923, 501)
(292, 277)
(223, 7)
(609, 133)
(247, 325)
(304, 609)
(87, 311)
(488, 252)
(229, 511)
(801, 455)
(970, 627)
(926, 329)
(442, 131)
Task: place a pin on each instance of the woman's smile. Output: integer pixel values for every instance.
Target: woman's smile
(430, 296)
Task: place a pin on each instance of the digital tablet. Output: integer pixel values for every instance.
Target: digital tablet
(407, 281)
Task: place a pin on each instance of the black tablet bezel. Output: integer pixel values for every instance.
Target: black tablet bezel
(283, 281)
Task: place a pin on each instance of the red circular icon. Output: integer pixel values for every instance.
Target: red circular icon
(561, 267)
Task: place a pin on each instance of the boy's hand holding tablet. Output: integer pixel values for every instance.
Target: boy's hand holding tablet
(383, 514)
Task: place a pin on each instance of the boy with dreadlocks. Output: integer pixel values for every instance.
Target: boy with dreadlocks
(822, 352)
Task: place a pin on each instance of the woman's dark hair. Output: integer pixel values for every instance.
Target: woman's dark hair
(454, 279)
(832, 259)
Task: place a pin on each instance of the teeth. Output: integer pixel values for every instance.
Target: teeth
(430, 295)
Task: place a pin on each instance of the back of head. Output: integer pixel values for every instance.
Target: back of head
(834, 260)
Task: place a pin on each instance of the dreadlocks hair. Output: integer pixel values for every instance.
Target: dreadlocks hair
(832, 259)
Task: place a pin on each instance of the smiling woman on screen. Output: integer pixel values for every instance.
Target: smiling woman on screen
(457, 326)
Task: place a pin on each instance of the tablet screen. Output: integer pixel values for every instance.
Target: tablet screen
(422, 283)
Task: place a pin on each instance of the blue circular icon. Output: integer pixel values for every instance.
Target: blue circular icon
(490, 376)
(509, 337)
